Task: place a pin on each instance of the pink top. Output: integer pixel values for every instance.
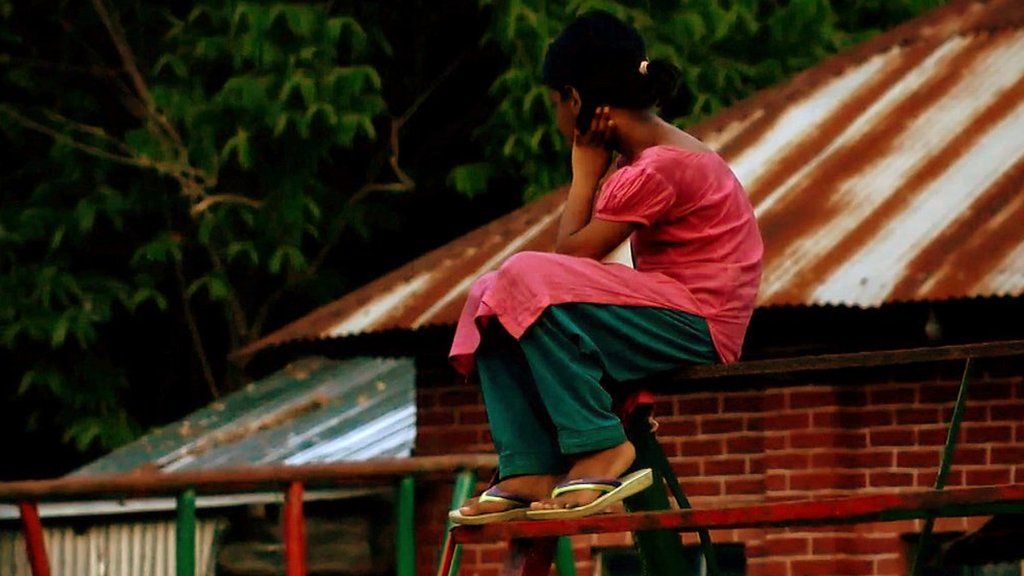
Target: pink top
(698, 250)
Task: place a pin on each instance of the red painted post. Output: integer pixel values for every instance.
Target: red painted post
(35, 546)
(294, 532)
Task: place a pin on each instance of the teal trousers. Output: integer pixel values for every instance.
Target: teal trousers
(547, 394)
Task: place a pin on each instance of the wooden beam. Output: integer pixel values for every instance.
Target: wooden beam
(245, 479)
(294, 531)
(876, 507)
(824, 362)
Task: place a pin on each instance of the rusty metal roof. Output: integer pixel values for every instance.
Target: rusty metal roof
(892, 172)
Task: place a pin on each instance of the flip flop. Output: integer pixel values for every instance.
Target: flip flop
(615, 490)
(517, 511)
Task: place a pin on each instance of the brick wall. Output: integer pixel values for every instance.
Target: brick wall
(806, 440)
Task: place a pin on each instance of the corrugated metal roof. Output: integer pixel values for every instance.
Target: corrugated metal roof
(313, 411)
(892, 172)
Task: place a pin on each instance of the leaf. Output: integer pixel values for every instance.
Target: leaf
(164, 248)
(471, 179)
(239, 143)
(286, 258)
(59, 331)
(243, 249)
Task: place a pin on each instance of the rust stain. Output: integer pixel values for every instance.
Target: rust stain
(895, 204)
(964, 253)
(807, 207)
(819, 137)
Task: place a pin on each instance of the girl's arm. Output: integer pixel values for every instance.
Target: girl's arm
(578, 233)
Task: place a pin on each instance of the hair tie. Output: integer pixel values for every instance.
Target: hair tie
(643, 67)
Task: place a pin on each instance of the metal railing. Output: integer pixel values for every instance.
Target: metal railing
(293, 481)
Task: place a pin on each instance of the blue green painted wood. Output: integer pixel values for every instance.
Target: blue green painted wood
(185, 534)
(405, 537)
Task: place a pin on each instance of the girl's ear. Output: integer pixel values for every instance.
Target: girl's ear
(572, 97)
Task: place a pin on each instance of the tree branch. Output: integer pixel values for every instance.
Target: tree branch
(211, 201)
(193, 329)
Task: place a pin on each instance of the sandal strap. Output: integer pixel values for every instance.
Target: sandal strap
(495, 494)
(599, 484)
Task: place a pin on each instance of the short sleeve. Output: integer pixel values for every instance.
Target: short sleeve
(634, 194)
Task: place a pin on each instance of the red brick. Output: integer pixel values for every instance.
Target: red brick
(853, 459)
(972, 413)
(459, 398)
(1011, 411)
(753, 423)
(744, 445)
(889, 479)
(686, 469)
(775, 442)
(743, 402)
(811, 439)
(811, 398)
(787, 461)
(766, 567)
(855, 545)
(937, 392)
(989, 477)
(775, 482)
(851, 397)
(787, 545)
(744, 486)
(701, 447)
(977, 434)
(845, 566)
(917, 458)
(990, 391)
(755, 465)
(934, 436)
(435, 417)
(895, 437)
(725, 467)
(1007, 455)
(774, 401)
(472, 416)
(677, 428)
(926, 478)
(721, 425)
(665, 406)
(700, 487)
(917, 415)
(827, 480)
(787, 421)
(700, 405)
(970, 455)
(892, 395)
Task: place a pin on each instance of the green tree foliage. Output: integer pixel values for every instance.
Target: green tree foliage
(186, 167)
(726, 49)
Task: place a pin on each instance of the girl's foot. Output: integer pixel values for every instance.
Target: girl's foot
(609, 463)
(530, 487)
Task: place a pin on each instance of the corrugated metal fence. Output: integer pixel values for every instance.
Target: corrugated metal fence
(122, 549)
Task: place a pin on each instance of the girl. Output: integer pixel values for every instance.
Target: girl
(545, 331)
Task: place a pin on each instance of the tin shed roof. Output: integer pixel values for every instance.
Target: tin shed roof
(312, 411)
(892, 172)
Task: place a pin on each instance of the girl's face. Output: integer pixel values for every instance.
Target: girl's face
(567, 108)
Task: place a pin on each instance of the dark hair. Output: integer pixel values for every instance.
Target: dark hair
(600, 56)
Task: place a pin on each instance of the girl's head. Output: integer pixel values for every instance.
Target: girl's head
(598, 60)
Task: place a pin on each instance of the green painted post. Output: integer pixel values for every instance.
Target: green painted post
(944, 466)
(185, 534)
(465, 482)
(405, 541)
(661, 551)
(565, 562)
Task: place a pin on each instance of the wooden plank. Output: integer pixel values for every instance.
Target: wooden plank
(825, 362)
(35, 545)
(872, 508)
(244, 479)
(529, 557)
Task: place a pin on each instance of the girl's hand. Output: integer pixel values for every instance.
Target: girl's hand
(591, 152)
